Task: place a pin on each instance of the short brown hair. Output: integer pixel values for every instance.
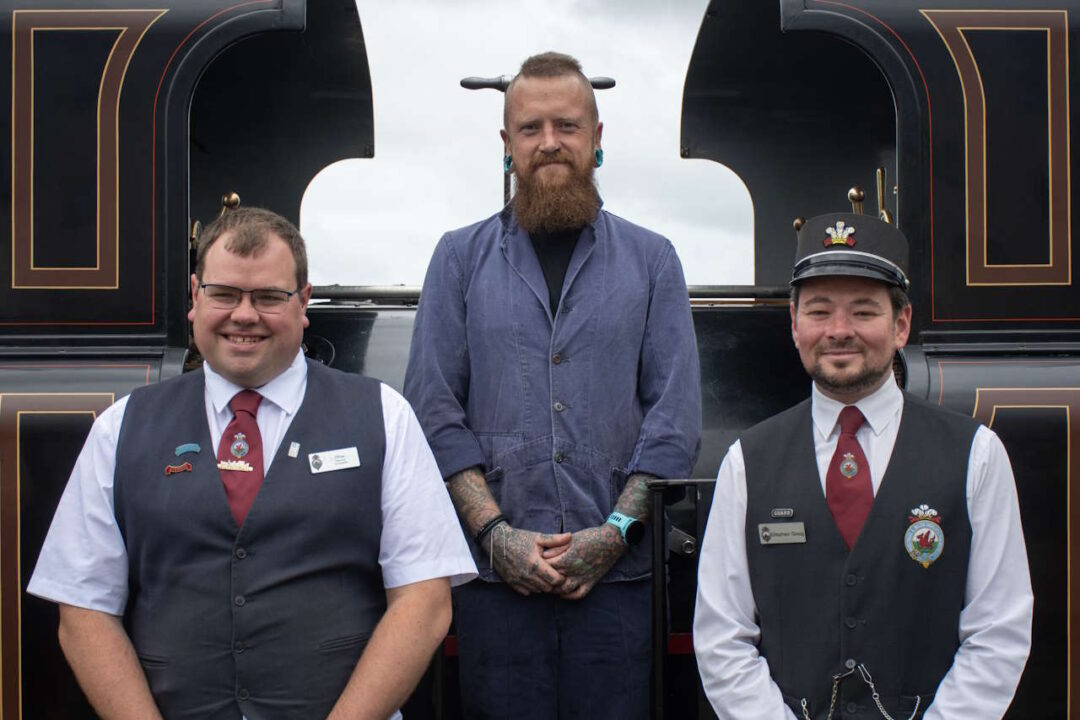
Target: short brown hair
(550, 65)
(897, 298)
(249, 230)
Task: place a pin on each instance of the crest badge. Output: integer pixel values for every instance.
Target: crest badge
(848, 467)
(239, 447)
(924, 539)
(840, 234)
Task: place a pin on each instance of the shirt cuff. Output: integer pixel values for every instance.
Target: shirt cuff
(660, 458)
(456, 449)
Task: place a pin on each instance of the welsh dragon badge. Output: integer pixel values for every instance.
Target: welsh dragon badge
(924, 539)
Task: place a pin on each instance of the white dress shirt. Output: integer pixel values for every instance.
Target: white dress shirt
(995, 624)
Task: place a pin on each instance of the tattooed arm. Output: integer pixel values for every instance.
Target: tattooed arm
(594, 550)
(518, 555)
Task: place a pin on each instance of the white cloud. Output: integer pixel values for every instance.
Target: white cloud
(437, 160)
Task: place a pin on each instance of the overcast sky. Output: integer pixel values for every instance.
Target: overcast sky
(438, 155)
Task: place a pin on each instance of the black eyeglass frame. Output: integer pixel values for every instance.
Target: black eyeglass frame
(251, 293)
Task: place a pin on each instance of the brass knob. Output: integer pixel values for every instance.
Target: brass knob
(229, 201)
(196, 228)
(798, 222)
(856, 196)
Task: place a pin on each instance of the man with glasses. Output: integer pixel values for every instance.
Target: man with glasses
(263, 538)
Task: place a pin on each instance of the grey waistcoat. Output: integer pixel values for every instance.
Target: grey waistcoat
(823, 610)
(267, 620)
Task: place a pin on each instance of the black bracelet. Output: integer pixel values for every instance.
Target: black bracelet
(489, 526)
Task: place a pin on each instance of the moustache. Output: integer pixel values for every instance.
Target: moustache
(556, 159)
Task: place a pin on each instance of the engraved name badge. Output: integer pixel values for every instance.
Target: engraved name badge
(781, 533)
(330, 460)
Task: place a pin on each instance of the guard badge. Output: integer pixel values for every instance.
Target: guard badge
(840, 234)
(173, 469)
(235, 466)
(239, 447)
(848, 467)
(924, 539)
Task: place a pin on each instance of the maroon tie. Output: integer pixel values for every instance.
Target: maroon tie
(241, 447)
(847, 483)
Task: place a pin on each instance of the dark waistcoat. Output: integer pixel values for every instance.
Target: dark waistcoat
(269, 619)
(824, 610)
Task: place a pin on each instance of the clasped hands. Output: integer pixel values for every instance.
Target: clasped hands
(566, 564)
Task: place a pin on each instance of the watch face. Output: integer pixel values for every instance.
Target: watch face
(635, 531)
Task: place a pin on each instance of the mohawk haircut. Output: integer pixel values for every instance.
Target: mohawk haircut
(550, 65)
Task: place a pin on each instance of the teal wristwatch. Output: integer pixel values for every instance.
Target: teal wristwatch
(631, 529)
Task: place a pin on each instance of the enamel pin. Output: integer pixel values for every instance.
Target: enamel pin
(173, 469)
(239, 447)
(187, 448)
(848, 467)
(294, 449)
(924, 539)
(840, 234)
(236, 465)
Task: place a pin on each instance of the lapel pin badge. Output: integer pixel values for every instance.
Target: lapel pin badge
(187, 448)
(173, 469)
(924, 539)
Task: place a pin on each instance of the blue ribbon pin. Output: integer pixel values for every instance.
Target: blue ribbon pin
(187, 448)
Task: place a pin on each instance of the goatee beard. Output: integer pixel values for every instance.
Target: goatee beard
(544, 207)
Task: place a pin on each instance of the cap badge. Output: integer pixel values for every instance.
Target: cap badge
(848, 467)
(924, 539)
(840, 234)
(239, 446)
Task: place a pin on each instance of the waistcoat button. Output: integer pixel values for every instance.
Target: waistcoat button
(242, 694)
(238, 646)
(851, 580)
(852, 708)
(241, 553)
(239, 600)
(851, 623)
(850, 664)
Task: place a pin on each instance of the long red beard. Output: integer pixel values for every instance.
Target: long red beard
(554, 206)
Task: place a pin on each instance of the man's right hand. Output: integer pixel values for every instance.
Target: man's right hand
(518, 557)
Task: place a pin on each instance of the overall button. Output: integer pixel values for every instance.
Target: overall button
(851, 622)
(850, 664)
(852, 708)
(556, 358)
(241, 553)
(239, 600)
(242, 694)
(559, 407)
(559, 457)
(238, 646)
(851, 580)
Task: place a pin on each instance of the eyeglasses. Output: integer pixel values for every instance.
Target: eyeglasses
(265, 300)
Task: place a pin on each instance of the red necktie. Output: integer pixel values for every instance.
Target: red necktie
(847, 483)
(241, 447)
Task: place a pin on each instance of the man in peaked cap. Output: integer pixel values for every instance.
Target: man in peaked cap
(864, 553)
(263, 538)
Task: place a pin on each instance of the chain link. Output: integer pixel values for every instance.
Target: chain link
(869, 680)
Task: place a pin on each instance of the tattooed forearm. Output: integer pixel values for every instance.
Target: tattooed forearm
(472, 499)
(634, 500)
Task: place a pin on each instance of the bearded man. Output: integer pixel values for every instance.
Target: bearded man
(554, 370)
(864, 556)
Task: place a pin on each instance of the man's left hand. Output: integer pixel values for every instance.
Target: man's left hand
(584, 563)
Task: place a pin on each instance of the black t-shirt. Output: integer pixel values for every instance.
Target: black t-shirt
(554, 250)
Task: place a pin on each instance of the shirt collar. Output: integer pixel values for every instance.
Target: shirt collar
(286, 390)
(880, 408)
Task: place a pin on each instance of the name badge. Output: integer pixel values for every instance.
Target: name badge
(330, 460)
(781, 533)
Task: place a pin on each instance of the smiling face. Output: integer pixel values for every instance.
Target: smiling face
(242, 345)
(847, 333)
(551, 130)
